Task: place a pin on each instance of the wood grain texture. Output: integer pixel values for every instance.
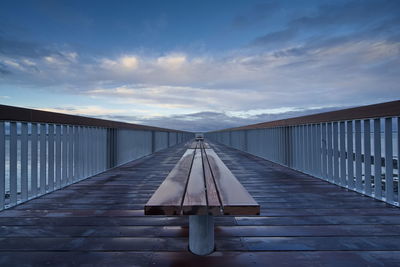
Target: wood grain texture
(213, 202)
(234, 197)
(195, 201)
(201, 186)
(167, 199)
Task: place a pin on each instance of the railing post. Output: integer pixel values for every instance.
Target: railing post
(111, 147)
(246, 143)
(2, 165)
(153, 141)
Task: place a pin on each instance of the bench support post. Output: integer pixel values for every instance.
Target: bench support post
(201, 234)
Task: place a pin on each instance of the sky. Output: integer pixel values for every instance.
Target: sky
(198, 65)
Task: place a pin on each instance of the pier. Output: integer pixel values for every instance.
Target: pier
(318, 205)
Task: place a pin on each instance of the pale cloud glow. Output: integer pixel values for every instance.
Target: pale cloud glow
(129, 62)
(171, 62)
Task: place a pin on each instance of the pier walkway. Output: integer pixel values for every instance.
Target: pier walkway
(100, 221)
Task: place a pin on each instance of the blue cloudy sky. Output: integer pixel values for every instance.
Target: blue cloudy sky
(198, 65)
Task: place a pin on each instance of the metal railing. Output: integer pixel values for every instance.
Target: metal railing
(43, 151)
(355, 148)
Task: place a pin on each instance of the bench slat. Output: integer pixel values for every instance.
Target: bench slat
(234, 197)
(167, 199)
(194, 145)
(214, 205)
(195, 201)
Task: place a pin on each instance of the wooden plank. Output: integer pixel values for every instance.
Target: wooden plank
(213, 202)
(195, 200)
(234, 197)
(193, 145)
(167, 200)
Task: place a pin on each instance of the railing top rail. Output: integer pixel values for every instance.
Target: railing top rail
(387, 109)
(11, 113)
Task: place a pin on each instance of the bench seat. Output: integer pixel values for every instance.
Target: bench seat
(201, 184)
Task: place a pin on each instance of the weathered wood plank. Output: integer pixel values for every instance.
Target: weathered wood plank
(194, 145)
(213, 202)
(167, 200)
(234, 197)
(195, 201)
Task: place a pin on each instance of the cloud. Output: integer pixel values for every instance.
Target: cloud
(171, 62)
(352, 19)
(129, 62)
(95, 111)
(20, 48)
(210, 120)
(332, 71)
(276, 37)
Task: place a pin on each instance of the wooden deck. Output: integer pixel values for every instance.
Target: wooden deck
(304, 221)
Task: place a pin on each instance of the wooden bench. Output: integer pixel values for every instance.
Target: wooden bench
(201, 186)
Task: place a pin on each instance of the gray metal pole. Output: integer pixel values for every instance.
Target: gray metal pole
(201, 234)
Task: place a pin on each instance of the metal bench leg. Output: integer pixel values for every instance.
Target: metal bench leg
(201, 234)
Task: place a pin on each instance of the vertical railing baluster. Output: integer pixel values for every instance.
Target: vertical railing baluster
(79, 161)
(97, 155)
(330, 163)
(318, 150)
(85, 152)
(309, 150)
(398, 161)
(314, 149)
(24, 161)
(335, 152)
(324, 152)
(92, 151)
(42, 188)
(34, 159)
(343, 179)
(377, 159)
(295, 148)
(58, 156)
(350, 162)
(388, 160)
(306, 149)
(50, 164)
(299, 151)
(64, 157)
(367, 157)
(13, 163)
(77, 168)
(357, 125)
(70, 154)
(2, 165)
